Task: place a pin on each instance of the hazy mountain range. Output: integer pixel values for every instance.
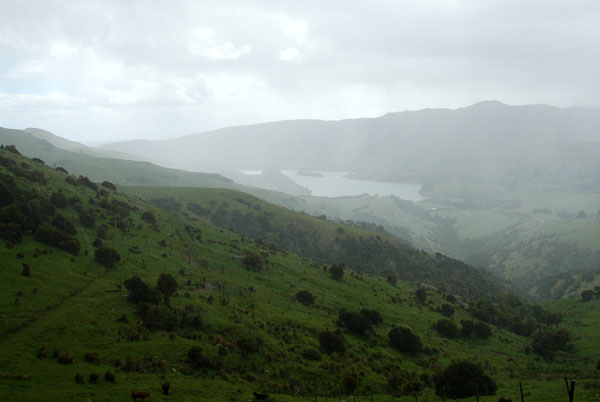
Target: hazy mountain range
(503, 146)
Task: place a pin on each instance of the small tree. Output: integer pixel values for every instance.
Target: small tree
(421, 295)
(447, 310)
(463, 379)
(149, 217)
(337, 271)
(167, 285)
(446, 328)
(403, 339)
(305, 297)
(106, 256)
(252, 261)
(482, 330)
(332, 341)
(587, 295)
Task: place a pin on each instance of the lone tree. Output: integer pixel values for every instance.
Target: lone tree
(463, 379)
(446, 328)
(421, 295)
(337, 271)
(167, 285)
(305, 297)
(402, 339)
(252, 261)
(106, 256)
(332, 341)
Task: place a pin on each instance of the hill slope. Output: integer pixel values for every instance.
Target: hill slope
(71, 314)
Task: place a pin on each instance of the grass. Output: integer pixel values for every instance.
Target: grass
(75, 307)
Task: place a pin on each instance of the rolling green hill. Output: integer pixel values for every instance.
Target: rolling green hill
(73, 319)
(326, 241)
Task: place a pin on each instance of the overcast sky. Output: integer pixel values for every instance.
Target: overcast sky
(100, 71)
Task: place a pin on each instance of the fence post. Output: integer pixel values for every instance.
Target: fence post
(521, 389)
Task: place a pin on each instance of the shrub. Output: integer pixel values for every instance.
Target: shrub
(167, 285)
(91, 357)
(87, 219)
(305, 297)
(337, 271)
(140, 292)
(109, 376)
(149, 217)
(196, 357)
(84, 181)
(58, 239)
(467, 327)
(373, 317)
(63, 224)
(26, 270)
(65, 358)
(403, 339)
(463, 379)
(106, 256)
(249, 345)
(94, 378)
(311, 354)
(482, 330)
(79, 378)
(109, 185)
(332, 341)
(446, 328)
(59, 200)
(547, 342)
(11, 232)
(421, 295)
(447, 310)
(157, 317)
(252, 261)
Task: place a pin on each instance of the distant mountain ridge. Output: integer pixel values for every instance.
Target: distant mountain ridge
(488, 141)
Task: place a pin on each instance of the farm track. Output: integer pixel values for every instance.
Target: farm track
(39, 316)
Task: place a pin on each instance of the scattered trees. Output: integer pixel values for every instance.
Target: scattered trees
(140, 292)
(547, 342)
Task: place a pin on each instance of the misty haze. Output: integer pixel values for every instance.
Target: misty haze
(299, 201)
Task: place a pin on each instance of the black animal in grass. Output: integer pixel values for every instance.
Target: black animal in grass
(260, 397)
(165, 387)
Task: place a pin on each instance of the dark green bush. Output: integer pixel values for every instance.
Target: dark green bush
(106, 256)
(305, 297)
(463, 379)
(58, 239)
(311, 354)
(63, 224)
(149, 217)
(59, 200)
(140, 292)
(157, 317)
(403, 339)
(252, 261)
(446, 328)
(332, 341)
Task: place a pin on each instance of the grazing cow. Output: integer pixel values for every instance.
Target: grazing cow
(165, 387)
(260, 397)
(139, 394)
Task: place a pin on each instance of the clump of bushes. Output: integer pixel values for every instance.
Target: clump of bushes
(58, 239)
(332, 341)
(305, 297)
(252, 261)
(463, 379)
(59, 200)
(109, 185)
(106, 256)
(149, 217)
(311, 354)
(109, 376)
(403, 339)
(446, 328)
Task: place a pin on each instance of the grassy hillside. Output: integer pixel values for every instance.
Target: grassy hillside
(252, 332)
(124, 172)
(323, 240)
